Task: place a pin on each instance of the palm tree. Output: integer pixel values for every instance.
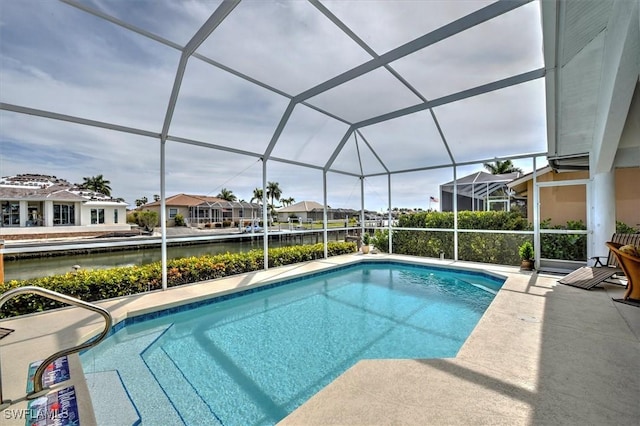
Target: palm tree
(502, 167)
(97, 184)
(257, 195)
(288, 201)
(141, 201)
(274, 192)
(226, 194)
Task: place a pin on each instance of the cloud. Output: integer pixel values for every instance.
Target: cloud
(61, 59)
(502, 47)
(387, 25)
(286, 44)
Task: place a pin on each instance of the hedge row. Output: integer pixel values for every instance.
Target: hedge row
(512, 221)
(93, 285)
(475, 247)
(481, 247)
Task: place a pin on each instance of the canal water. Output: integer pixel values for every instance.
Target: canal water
(23, 269)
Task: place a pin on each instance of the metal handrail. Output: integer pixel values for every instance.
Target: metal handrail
(38, 389)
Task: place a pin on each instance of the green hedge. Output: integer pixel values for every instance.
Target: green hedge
(484, 247)
(93, 285)
(475, 247)
(564, 246)
(480, 247)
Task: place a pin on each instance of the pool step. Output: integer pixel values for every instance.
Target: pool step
(142, 387)
(184, 397)
(111, 402)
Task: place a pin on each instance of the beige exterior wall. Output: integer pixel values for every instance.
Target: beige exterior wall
(560, 203)
(565, 203)
(628, 196)
(181, 210)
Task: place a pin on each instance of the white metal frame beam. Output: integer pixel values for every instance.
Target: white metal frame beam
(468, 93)
(469, 21)
(388, 67)
(201, 35)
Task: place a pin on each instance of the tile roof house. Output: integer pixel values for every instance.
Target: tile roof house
(32, 204)
(310, 210)
(203, 210)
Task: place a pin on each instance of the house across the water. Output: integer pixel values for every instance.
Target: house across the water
(205, 211)
(306, 211)
(33, 206)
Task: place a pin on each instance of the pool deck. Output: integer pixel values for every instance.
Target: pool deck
(542, 354)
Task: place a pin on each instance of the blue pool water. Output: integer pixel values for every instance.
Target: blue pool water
(253, 359)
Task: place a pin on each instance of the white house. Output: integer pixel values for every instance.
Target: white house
(32, 205)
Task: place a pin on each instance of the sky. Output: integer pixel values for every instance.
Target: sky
(57, 58)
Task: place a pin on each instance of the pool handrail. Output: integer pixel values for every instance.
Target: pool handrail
(38, 388)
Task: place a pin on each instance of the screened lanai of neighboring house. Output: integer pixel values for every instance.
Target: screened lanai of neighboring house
(478, 191)
(352, 103)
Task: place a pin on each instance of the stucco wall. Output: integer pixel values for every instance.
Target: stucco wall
(628, 196)
(85, 215)
(564, 203)
(560, 203)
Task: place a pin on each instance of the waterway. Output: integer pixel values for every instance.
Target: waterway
(46, 266)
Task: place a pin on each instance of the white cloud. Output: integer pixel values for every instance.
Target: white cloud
(58, 58)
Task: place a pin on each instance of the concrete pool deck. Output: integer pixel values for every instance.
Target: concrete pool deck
(543, 353)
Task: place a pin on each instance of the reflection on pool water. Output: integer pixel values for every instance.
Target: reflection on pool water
(253, 359)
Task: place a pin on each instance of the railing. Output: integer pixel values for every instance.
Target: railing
(38, 388)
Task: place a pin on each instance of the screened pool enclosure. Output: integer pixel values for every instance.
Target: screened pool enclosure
(354, 104)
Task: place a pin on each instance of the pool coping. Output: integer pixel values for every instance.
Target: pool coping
(50, 331)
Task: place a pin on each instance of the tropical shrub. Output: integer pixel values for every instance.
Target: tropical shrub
(132, 217)
(563, 246)
(93, 285)
(623, 228)
(178, 220)
(380, 240)
(148, 219)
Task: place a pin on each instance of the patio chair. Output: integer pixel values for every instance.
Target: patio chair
(631, 267)
(588, 277)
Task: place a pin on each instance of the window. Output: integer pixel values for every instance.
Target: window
(115, 215)
(10, 213)
(97, 216)
(172, 213)
(34, 213)
(64, 214)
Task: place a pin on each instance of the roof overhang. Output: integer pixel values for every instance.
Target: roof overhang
(592, 57)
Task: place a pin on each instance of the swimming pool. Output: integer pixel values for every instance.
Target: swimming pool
(253, 359)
